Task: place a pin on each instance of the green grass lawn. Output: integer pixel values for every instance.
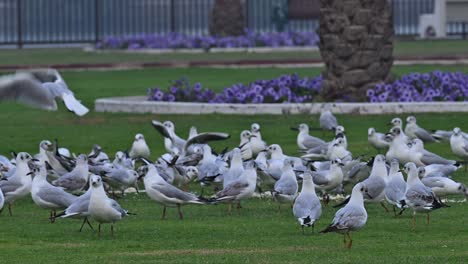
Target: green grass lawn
(206, 235)
(64, 56)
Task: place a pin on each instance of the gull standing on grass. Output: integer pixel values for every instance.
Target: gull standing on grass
(256, 143)
(412, 130)
(18, 185)
(285, 190)
(39, 88)
(102, 208)
(459, 144)
(242, 188)
(422, 157)
(376, 139)
(328, 121)
(419, 197)
(77, 179)
(139, 148)
(166, 194)
(47, 196)
(352, 217)
(79, 209)
(396, 187)
(327, 180)
(2, 198)
(307, 208)
(306, 141)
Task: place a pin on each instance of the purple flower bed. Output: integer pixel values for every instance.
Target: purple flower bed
(413, 87)
(181, 41)
(286, 88)
(423, 87)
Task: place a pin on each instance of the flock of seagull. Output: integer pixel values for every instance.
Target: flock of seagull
(83, 186)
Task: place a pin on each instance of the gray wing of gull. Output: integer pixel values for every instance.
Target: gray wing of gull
(173, 192)
(288, 187)
(432, 182)
(117, 207)
(161, 128)
(424, 135)
(307, 206)
(24, 88)
(328, 121)
(312, 142)
(431, 158)
(320, 178)
(56, 196)
(202, 138)
(420, 195)
(70, 181)
(395, 190)
(9, 186)
(349, 217)
(375, 186)
(232, 189)
(80, 205)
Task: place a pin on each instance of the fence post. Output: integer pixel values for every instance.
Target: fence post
(19, 24)
(172, 16)
(96, 21)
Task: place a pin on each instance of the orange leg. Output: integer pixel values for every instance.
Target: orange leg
(350, 240)
(428, 218)
(164, 213)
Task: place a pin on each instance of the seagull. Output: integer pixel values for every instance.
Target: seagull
(306, 141)
(242, 188)
(328, 180)
(398, 123)
(398, 148)
(352, 217)
(418, 196)
(209, 167)
(77, 179)
(396, 187)
(166, 194)
(122, 160)
(440, 170)
(2, 198)
(328, 121)
(18, 185)
(412, 130)
(276, 161)
(102, 208)
(79, 209)
(47, 196)
(39, 88)
(139, 147)
(121, 179)
(442, 185)
(422, 157)
(459, 144)
(307, 208)
(245, 145)
(235, 169)
(376, 139)
(285, 190)
(256, 143)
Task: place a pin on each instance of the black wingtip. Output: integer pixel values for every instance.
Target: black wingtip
(344, 202)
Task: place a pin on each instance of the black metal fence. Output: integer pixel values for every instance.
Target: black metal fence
(87, 21)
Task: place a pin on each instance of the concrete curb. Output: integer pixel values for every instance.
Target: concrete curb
(140, 104)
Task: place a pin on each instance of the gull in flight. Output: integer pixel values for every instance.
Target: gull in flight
(39, 88)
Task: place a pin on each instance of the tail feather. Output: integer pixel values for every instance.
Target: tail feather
(344, 202)
(74, 105)
(330, 228)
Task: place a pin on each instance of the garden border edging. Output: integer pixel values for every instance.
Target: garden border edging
(140, 104)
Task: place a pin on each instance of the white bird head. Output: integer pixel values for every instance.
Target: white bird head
(370, 131)
(396, 131)
(23, 157)
(379, 159)
(139, 136)
(361, 189)
(45, 145)
(246, 135)
(303, 128)
(96, 181)
(169, 125)
(336, 162)
(274, 148)
(339, 130)
(421, 172)
(82, 159)
(254, 128)
(411, 119)
(456, 131)
(191, 172)
(119, 155)
(410, 167)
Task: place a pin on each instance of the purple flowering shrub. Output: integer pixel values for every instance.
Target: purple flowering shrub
(423, 87)
(181, 41)
(286, 88)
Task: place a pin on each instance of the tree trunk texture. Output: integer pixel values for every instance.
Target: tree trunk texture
(227, 18)
(356, 45)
